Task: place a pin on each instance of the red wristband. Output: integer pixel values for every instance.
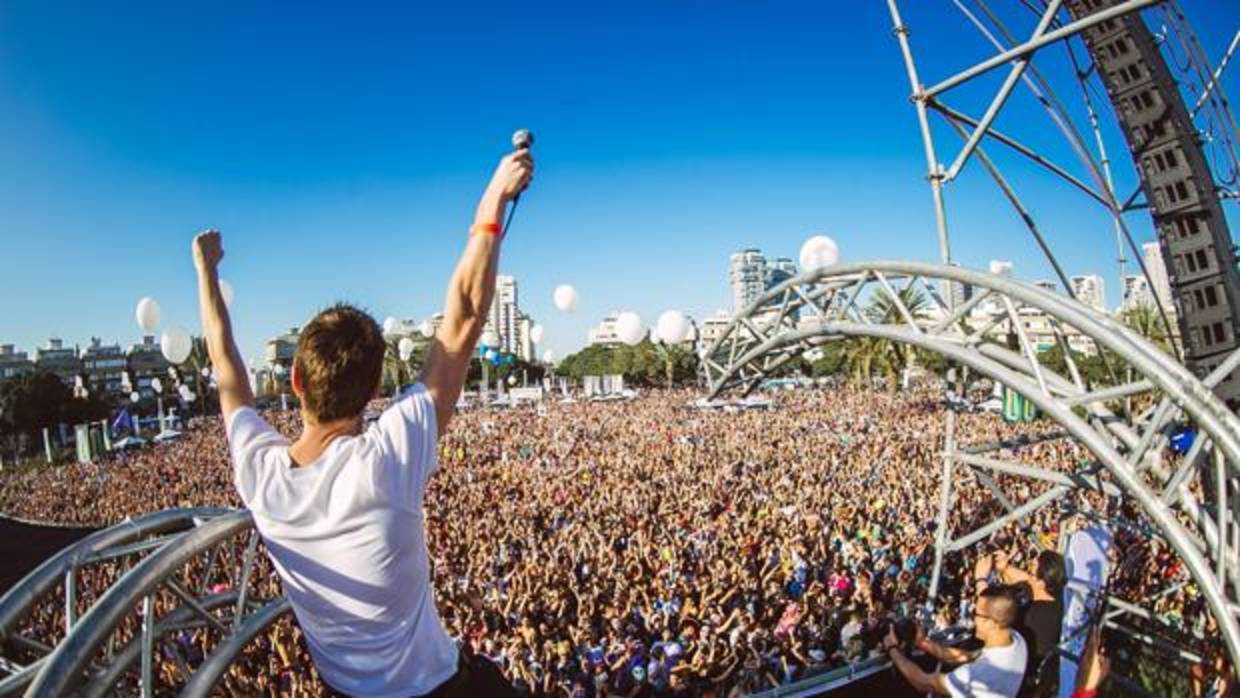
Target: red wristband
(1085, 693)
(491, 228)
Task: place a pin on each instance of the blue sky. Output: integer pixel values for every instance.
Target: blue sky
(341, 153)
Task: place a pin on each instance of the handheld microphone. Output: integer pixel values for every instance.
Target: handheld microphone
(521, 138)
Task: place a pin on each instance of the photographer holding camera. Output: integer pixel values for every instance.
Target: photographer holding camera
(1041, 620)
(996, 670)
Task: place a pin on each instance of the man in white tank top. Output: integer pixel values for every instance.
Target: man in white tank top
(340, 507)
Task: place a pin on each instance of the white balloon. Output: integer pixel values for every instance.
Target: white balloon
(406, 348)
(565, 298)
(183, 390)
(512, 380)
(629, 328)
(389, 325)
(672, 327)
(426, 329)
(206, 372)
(134, 397)
(157, 385)
(536, 334)
(548, 356)
(147, 314)
(489, 339)
(176, 345)
(226, 290)
(819, 251)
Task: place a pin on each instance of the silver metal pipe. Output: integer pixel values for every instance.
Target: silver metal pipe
(1005, 91)
(209, 673)
(63, 671)
(1034, 44)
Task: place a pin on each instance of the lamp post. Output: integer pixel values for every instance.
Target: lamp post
(488, 342)
(157, 387)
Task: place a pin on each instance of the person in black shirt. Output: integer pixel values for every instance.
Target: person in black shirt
(1042, 620)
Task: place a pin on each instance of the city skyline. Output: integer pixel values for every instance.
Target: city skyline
(514, 324)
(316, 166)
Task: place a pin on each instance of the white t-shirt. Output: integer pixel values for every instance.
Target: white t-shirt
(997, 673)
(346, 535)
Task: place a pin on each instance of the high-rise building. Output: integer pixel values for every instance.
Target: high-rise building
(779, 270)
(1089, 289)
(505, 315)
(747, 276)
(1136, 292)
(524, 343)
(1157, 267)
(13, 362)
(59, 359)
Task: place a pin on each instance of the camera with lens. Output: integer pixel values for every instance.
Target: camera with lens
(905, 630)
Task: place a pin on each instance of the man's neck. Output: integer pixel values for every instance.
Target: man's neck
(998, 638)
(317, 436)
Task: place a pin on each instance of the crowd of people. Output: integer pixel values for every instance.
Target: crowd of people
(649, 547)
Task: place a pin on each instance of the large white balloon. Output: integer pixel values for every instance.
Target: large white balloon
(176, 345)
(406, 348)
(565, 298)
(629, 328)
(226, 290)
(819, 251)
(548, 356)
(147, 314)
(426, 329)
(489, 339)
(536, 334)
(389, 325)
(134, 397)
(672, 327)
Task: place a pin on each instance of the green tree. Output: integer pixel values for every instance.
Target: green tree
(398, 372)
(1145, 320)
(865, 357)
(34, 401)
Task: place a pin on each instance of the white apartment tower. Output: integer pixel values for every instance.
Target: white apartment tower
(1089, 289)
(1157, 267)
(747, 276)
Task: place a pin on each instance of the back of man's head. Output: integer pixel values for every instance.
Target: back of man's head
(1052, 572)
(1001, 604)
(339, 363)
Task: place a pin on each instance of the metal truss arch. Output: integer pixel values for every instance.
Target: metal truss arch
(1196, 520)
(55, 581)
(116, 641)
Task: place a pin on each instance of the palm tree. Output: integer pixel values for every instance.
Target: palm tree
(396, 372)
(865, 357)
(1145, 320)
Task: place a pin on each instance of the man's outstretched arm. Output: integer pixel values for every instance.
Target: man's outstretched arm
(471, 288)
(230, 375)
